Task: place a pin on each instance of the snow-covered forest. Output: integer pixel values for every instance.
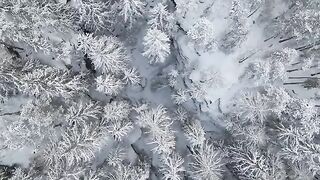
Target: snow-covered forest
(159, 89)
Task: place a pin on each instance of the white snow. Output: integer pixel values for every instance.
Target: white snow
(227, 64)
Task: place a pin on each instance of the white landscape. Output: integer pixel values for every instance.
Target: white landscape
(159, 89)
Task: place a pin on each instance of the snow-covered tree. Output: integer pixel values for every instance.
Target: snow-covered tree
(302, 24)
(300, 115)
(185, 6)
(21, 173)
(130, 10)
(253, 106)
(8, 86)
(84, 42)
(279, 98)
(79, 113)
(10, 66)
(198, 92)
(117, 110)
(119, 129)
(264, 72)
(93, 15)
(51, 82)
(31, 78)
(207, 163)
(31, 127)
(181, 96)
(156, 46)
(240, 13)
(78, 145)
(78, 118)
(65, 139)
(158, 125)
(289, 124)
(252, 163)
(107, 53)
(252, 113)
(251, 134)
(160, 18)
(31, 22)
(172, 167)
(116, 119)
(202, 33)
(108, 84)
(194, 132)
(116, 156)
(285, 56)
(110, 59)
(131, 76)
(172, 78)
(127, 172)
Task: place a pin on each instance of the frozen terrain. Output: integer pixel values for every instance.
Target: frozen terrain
(159, 89)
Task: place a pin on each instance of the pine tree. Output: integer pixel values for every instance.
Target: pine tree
(251, 163)
(194, 132)
(253, 106)
(265, 72)
(127, 172)
(202, 33)
(158, 125)
(183, 7)
(172, 167)
(28, 22)
(109, 85)
(80, 113)
(156, 46)
(181, 96)
(93, 15)
(50, 82)
(116, 119)
(130, 9)
(107, 53)
(160, 18)
(207, 163)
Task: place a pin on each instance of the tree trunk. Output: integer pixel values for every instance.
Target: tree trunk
(286, 39)
(11, 113)
(293, 70)
(293, 83)
(315, 74)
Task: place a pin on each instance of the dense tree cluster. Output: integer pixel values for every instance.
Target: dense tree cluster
(173, 90)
